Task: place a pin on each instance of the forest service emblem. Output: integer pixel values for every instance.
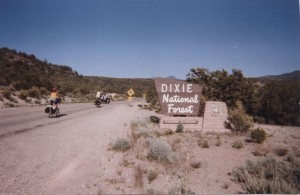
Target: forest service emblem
(215, 109)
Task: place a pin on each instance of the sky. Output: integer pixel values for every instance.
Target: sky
(156, 38)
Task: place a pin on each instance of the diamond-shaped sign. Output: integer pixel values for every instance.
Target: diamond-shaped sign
(130, 92)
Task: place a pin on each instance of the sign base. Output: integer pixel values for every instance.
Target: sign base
(189, 123)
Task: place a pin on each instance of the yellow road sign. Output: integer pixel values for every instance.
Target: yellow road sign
(130, 92)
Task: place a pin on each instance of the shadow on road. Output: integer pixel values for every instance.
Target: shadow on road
(61, 115)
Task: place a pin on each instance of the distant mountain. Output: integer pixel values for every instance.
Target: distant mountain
(172, 77)
(292, 76)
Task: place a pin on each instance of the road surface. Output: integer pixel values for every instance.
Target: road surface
(64, 155)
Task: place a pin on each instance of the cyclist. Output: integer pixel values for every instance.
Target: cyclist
(54, 98)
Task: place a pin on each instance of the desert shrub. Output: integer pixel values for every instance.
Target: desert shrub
(44, 91)
(23, 94)
(134, 124)
(168, 132)
(281, 151)
(154, 119)
(290, 158)
(121, 144)
(34, 92)
(260, 151)
(204, 144)
(6, 93)
(297, 152)
(238, 144)
(258, 135)
(37, 101)
(267, 176)
(143, 132)
(161, 151)
(225, 185)
(138, 125)
(219, 142)
(196, 164)
(240, 121)
(8, 104)
(165, 132)
(179, 128)
(152, 175)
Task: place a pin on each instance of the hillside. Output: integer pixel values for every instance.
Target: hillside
(23, 71)
(292, 76)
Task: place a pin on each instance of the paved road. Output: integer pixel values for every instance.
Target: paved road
(18, 120)
(64, 155)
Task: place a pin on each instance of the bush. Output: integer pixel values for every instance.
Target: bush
(23, 94)
(219, 142)
(241, 122)
(143, 132)
(260, 151)
(267, 176)
(152, 175)
(203, 143)
(154, 119)
(281, 151)
(160, 151)
(238, 144)
(34, 92)
(258, 135)
(7, 93)
(179, 128)
(196, 164)
(121, 144)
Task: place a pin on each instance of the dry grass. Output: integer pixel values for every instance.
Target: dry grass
(115, 180)
(138, 177)
(260, 151)
(267, 176)
(155, 148)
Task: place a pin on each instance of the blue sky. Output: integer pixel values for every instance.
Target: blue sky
(150, 38)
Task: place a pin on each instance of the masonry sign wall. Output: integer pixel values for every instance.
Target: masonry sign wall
(178, 97)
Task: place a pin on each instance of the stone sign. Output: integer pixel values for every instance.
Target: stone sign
(215, 116)
(178, 97)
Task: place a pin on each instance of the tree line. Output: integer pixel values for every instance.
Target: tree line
(271, 101)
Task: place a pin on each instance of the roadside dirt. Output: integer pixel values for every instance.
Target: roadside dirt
(75, 156)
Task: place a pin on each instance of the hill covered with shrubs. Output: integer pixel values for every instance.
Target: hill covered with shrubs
(24, 72)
